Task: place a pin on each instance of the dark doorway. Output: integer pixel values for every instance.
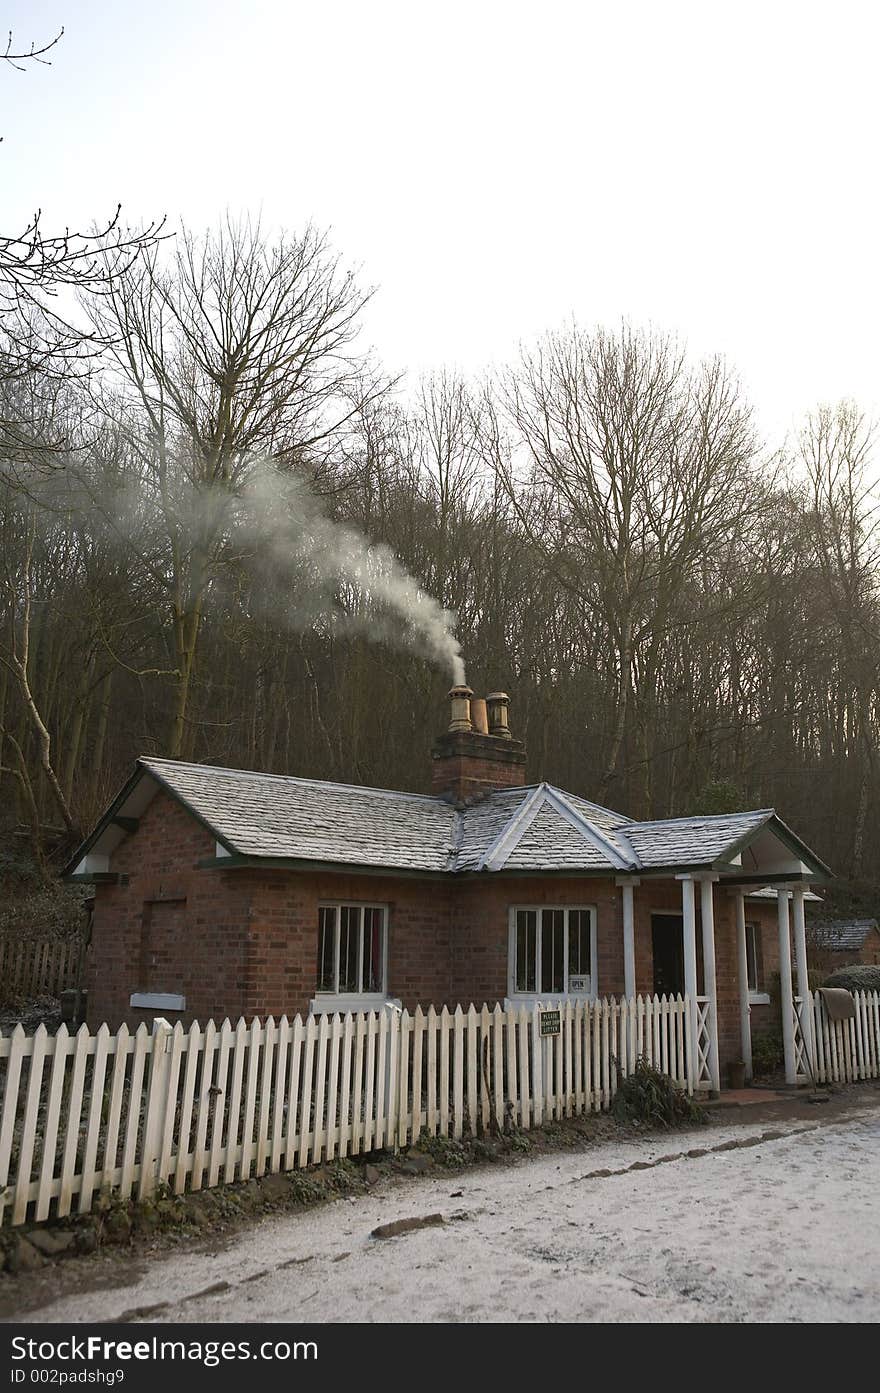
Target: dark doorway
(667, 943)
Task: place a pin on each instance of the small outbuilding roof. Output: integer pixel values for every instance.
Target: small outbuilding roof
(842, 935)
(535, 829)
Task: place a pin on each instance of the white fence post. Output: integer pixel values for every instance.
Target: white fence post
(157, 1100)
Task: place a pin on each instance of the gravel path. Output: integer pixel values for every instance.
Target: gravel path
(769, 1227)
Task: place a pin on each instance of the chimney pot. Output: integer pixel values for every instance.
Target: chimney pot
(469, 760)
(460, 698)
(479, 716)
(497, 704)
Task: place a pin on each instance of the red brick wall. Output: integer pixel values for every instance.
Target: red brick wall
(172, 928)
(283, 936)
(480, 919)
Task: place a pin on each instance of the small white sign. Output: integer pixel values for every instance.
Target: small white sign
(578, 984)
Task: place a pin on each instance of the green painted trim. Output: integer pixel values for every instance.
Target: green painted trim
(782, 878)
(742, 842)
(85, 847)
(290, 863)
(788, 839)
(97, 878)
(111, 816)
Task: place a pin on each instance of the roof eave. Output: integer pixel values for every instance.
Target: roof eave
(244, 861)
(788, 838)
(140, 771)
(85, 847)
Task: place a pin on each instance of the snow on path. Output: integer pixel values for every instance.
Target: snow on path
(784, 1229)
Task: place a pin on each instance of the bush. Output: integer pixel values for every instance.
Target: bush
(650, 1097)
(859, 977)
(767, 1052)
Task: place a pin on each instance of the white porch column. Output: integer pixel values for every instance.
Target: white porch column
(627, 884)
(689, 930)
(745, 1012)
(785, 993)
(707, 916)
(803, 981)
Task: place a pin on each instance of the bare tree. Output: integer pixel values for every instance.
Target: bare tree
(234, 349)
(626, 469)
(843, 516)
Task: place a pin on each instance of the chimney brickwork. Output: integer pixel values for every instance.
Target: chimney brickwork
(468, 764)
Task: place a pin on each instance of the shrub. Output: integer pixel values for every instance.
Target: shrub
(767, 1051)
(650, 1097)
(859, 977)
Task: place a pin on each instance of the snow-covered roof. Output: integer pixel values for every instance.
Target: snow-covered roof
(527, 829)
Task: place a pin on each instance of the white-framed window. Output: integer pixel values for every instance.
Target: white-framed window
(552, 951)
(352, 956)
(755, 964)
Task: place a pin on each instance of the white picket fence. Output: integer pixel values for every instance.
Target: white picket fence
(87, 1114)
(847, 1051)
(84, 1114)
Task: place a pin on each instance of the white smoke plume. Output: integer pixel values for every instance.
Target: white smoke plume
(291, 533)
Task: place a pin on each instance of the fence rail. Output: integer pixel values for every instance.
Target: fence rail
(194, 1108)
(38, 967)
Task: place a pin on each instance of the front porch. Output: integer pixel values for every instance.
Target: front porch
(671, 945)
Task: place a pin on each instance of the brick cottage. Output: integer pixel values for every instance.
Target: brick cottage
(221, 892)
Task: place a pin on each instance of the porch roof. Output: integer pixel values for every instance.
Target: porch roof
(266, 818)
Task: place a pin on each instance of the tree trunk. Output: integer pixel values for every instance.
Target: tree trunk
(620, 714)
(186, 633)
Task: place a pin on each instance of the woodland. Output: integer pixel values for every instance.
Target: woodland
(229, 534)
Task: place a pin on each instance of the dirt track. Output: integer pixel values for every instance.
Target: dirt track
(759, 1227)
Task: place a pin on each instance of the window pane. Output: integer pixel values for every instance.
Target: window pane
(749, 956)
(579, 964)
(326, 949)
(349, 947)
(526, 949)
(552, 951)
(372, 953)
(752, 957)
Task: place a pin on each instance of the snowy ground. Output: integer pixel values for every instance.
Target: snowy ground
(781, 1229)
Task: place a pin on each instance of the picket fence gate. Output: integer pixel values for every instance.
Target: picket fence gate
(38, 967)
(847, 1051)
(87, 1114)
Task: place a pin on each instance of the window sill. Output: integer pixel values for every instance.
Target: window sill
(759, 998)
(339, 1005)
(550, 1002)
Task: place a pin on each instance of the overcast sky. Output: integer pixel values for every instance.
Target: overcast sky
(496, 168)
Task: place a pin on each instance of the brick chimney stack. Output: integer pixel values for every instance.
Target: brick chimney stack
(477, 754)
